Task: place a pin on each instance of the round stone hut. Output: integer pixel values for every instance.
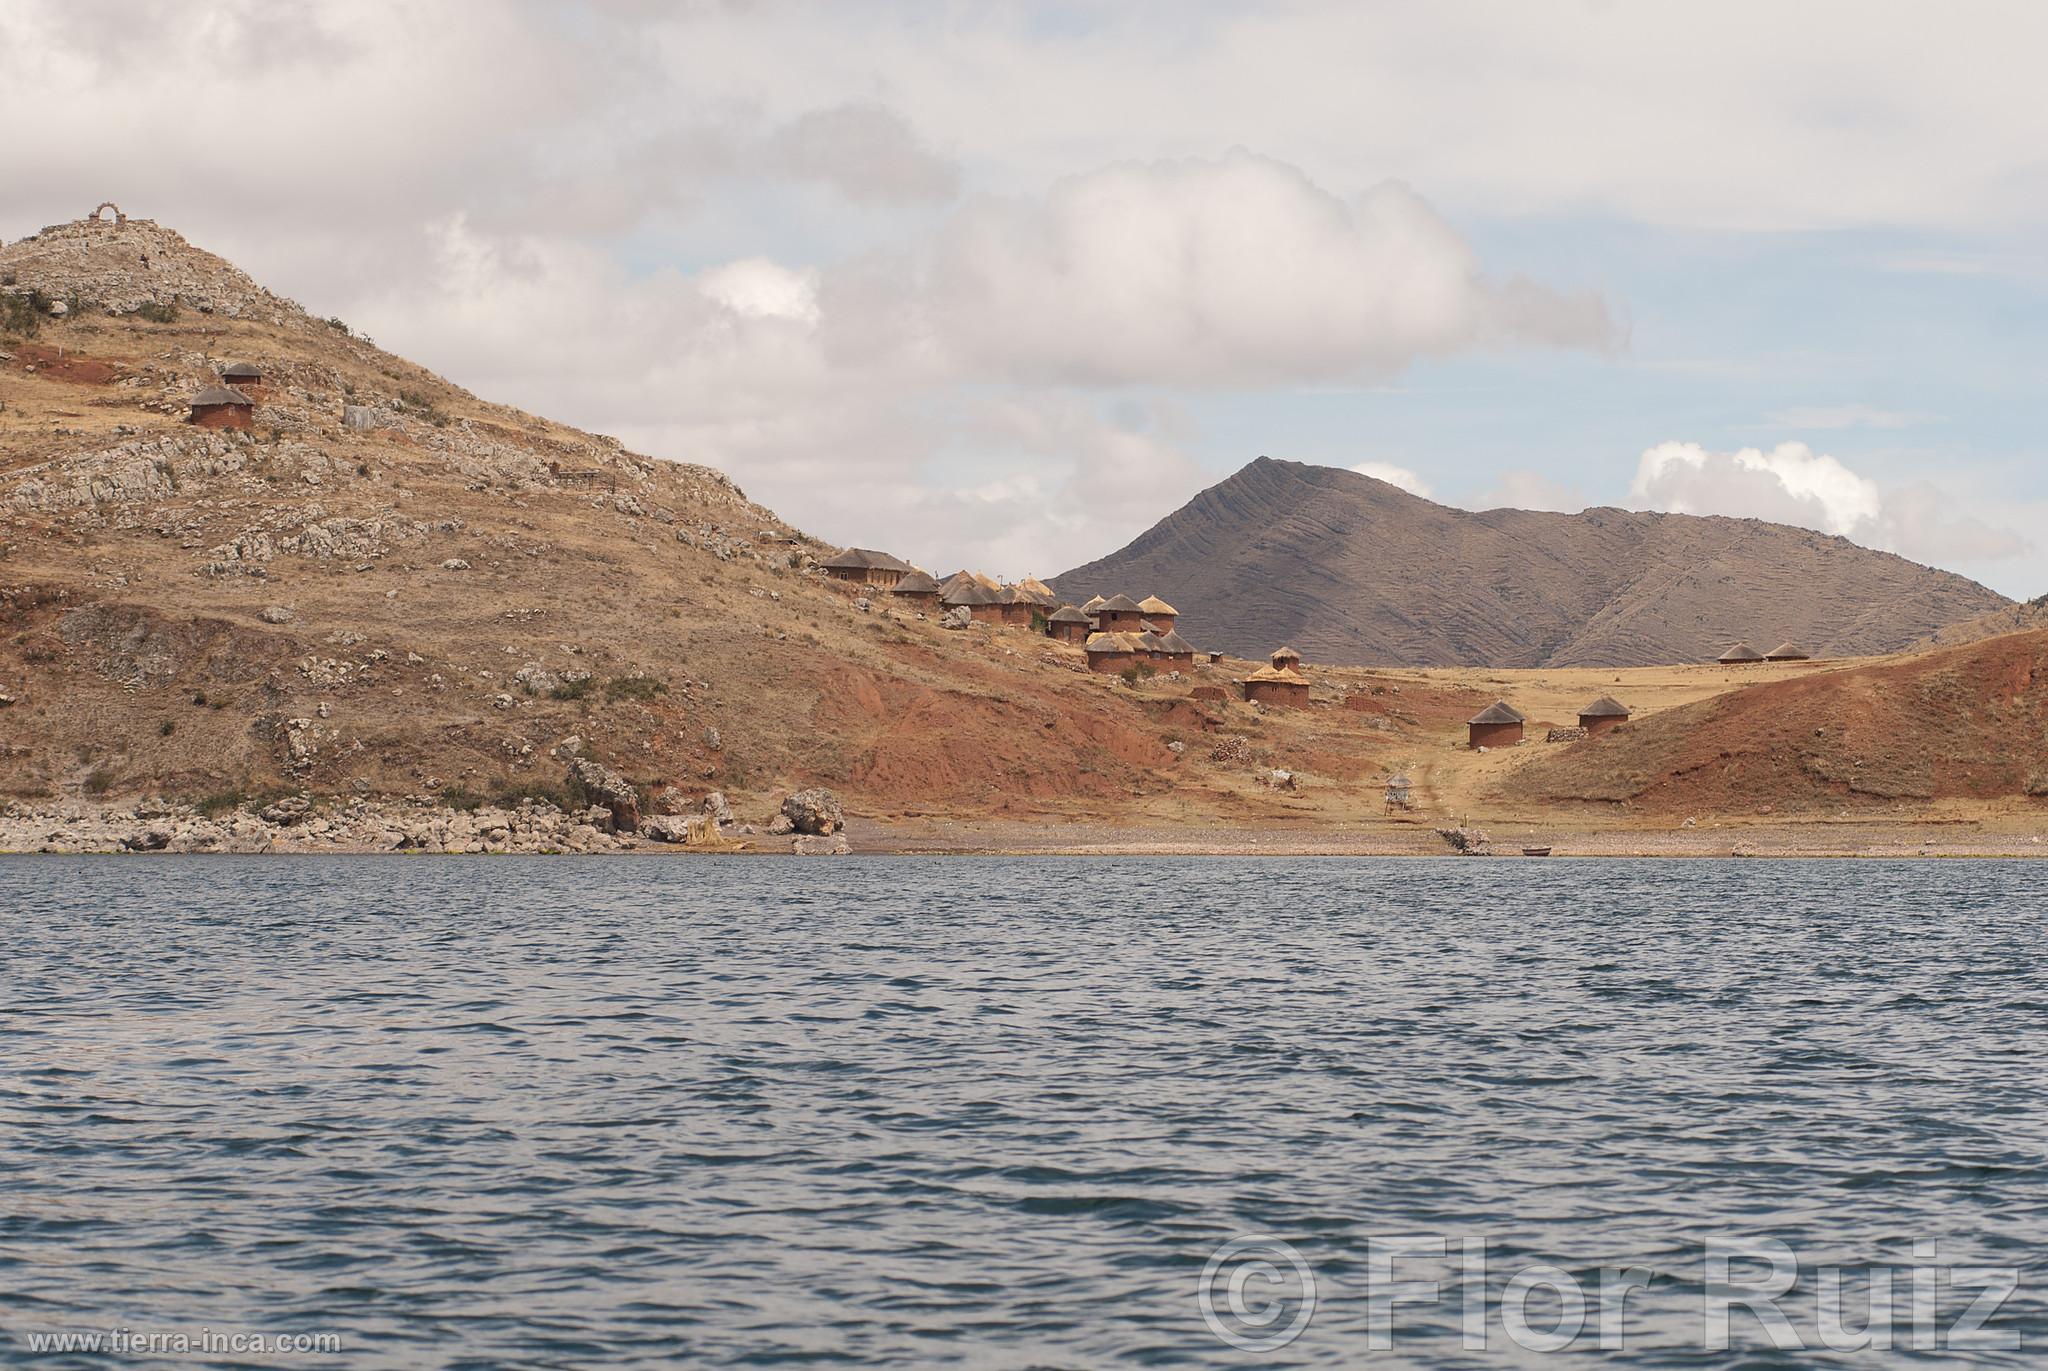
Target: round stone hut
(1277, 686)
(917, 591)
(222, 407)
(1158, 613)
(1111, 652)
(1602, 714)
(239, 374)
(1497, 725)
(1068, 625)
(1120, 614)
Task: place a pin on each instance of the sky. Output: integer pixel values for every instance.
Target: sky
(1001, 285)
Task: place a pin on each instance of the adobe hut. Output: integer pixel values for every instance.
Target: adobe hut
(222, 407)
(1068, 625)
(1035, 606)
(1742, 654)
(1400, 792)
(1120, 614)
(1276, 686)
(1286, 659)
(982, 604)
(1159, 612)
(1602, 714)
(1179, 651)
(864, 566)
(1497, 725)
(1110, 652)
(240, 374)
(1150, 648)
(1788, 652)
(1016, 607)
(1093, 607)
(917, 591)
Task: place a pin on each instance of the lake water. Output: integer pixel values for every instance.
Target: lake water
(1003, 1113)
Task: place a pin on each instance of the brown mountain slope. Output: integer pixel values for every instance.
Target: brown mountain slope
(1962, 723)
(431, 600)
(2013, 618)
(1350, 569)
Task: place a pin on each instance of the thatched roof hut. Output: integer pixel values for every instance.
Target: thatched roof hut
(1788, 652)
(1286, 659)
(1603, 713)
(1177, 648)
(1068, 625)
(1276, 686)
(1740, 653)
(1110, 652)
(917, 587)
(222, 407)
(1497, 725)
(866, 567)
(242, 374)
(1158, 611)
(1119, 614)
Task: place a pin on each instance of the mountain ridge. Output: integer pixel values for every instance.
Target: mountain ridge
(1352, 569)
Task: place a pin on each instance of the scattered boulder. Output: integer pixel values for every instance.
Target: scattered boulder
(1466, 842)
(275, 614)
(1234, 748)
(956, 617)
(809, 845)
(815, 811)
(361, 418)
(608, 790)
(1565, 735)
(286, 812)
(455, 564)
(666, 828)
(780, 825)
(863, 604)
(1278, 779)
(1176, 747)
(717, 809)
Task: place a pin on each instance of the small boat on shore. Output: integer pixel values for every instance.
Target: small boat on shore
(1535, 852)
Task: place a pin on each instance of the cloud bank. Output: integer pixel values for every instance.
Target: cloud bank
(1792, 484)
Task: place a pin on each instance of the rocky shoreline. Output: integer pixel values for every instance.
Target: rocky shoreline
(809, 824)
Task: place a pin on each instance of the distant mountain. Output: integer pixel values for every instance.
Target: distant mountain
(1353, 570)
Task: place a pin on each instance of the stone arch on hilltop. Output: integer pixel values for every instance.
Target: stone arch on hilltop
(98, 215)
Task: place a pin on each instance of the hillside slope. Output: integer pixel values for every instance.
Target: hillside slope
(433, 600)
(1350, 569)
(1962, 723)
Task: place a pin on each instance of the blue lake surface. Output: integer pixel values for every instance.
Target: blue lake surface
(1000, 1113)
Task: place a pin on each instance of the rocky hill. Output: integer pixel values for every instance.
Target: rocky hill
(2012, 618)
(1966, 723)
(389, 592)
(1351, 569)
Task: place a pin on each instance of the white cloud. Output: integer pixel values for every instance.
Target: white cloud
(1233, 271)
(1394, 476)
(1530, 490)
(761, 289)
(1792, 484)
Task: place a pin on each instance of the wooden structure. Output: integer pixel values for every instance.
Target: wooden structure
(1742, 654)
(1400, 792)
(222, 407)
(1497, 725)
(1788, 652)
(1111, 652)
(917, 590)
(1602, 714)
(864, 566)
(1276, 686)
(1068, 625)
